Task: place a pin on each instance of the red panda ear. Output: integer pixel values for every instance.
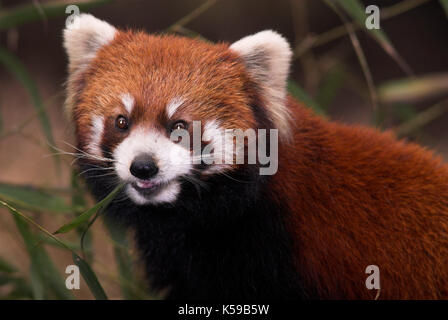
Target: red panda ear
(82, 39)
(267, 57)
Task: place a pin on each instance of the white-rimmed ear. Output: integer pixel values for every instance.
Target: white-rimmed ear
(267, 57)
(83, 37)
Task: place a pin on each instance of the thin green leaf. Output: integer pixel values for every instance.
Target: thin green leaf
(6, 279)
(62, 244)
(296, 91)
(332, 82)
(422, 119)
(45, 277)
(30, 198)
(78, 197)
(123, 259)
(17, 213)
(84, 217)
(16, 67)
(6, 267)
(414, 89)
(1, 119)
(20, 287)
(191, 16)
(356, 10)
(90, 278)
(404, 112)
(444, 4)
(27, 13)
(79, 200)
(86, 271)
(37, 283)
(359, 53)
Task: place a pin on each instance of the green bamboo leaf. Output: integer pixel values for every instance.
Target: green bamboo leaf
(84, 217)
(44, 260)
(78, 196)
(19, 15)
(16, 67)
(404, 112)
(37, 283)
(62, 244)
(6, 267)
(414, 89)
(17, 213)
(444, 4)
(6, 279)
(422, 119)
(1, 119)
(90, 278)
(30, 198)
(297, 92)
(356, 10)
(332, 82)
(79, 200)
(44, 273)
(45, 277)
(123, 259)
(20, 290)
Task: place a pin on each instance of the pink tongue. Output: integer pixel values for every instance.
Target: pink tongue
(145, 184)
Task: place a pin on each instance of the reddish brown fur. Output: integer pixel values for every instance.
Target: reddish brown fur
(360, 197)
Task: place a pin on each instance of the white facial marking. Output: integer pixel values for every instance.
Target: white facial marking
(172, 160)
(94, 145)
(221, 147)
(128, 102)
(173, 105)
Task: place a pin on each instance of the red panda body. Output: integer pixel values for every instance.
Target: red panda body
(360, 197)
(342, 198)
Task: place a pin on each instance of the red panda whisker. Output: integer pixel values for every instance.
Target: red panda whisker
(103, 175)
(196, 181)
(88, 154)
(82, 155)
(96, 168)
(232, 178)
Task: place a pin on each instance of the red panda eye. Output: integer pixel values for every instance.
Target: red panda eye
(180, 125)
(121, 122)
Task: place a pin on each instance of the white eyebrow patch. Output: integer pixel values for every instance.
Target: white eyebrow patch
(173, 105)
(94, 146)
(128, 102)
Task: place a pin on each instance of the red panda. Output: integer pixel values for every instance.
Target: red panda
(340, 198)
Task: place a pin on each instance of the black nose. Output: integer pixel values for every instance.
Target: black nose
(144, 167)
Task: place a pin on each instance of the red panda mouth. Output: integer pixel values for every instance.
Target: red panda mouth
(145, 186)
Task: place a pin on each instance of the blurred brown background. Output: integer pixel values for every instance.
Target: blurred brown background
(330, 73)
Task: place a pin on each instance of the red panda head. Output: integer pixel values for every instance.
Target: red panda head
(127, 92)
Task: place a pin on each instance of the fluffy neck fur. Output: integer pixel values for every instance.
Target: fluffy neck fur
(225, 242)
